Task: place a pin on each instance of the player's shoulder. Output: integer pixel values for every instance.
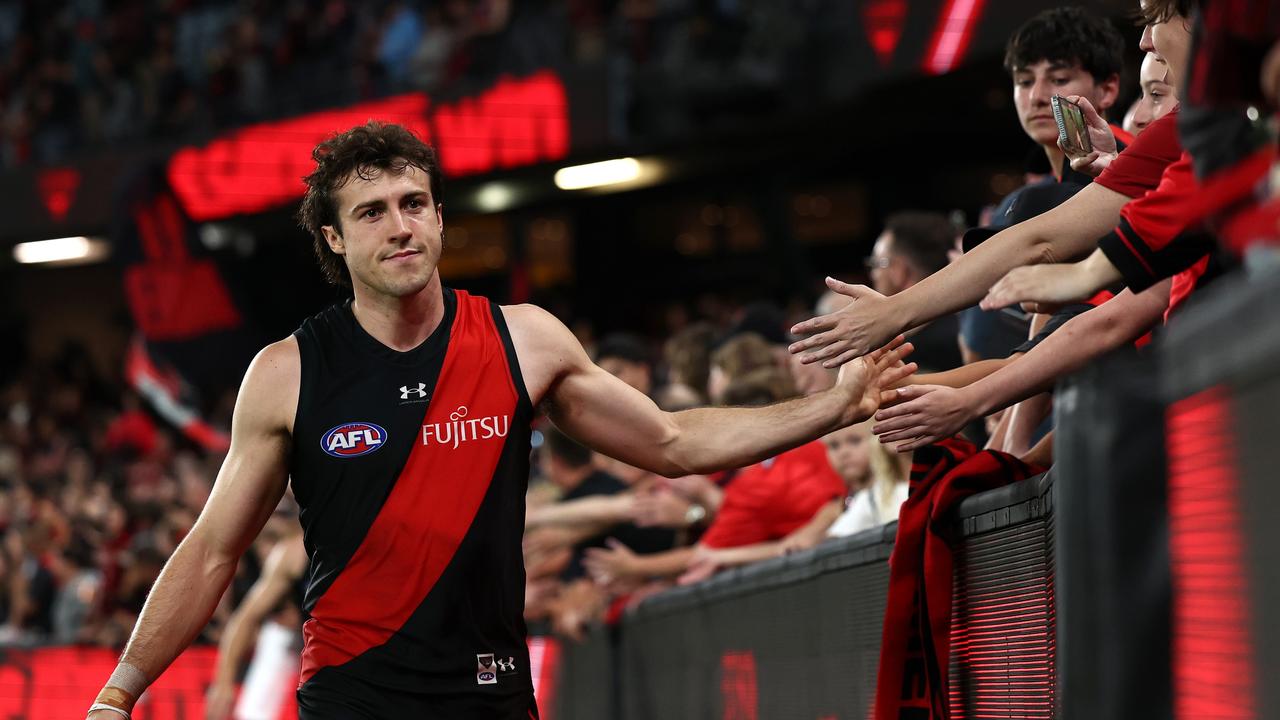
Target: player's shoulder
(273, 378)
(536, 326)
(546, 350)
(528, 314)
(278, 359)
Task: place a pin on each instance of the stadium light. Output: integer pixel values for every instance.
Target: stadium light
(608, 172)
(64, 251)
(495, 197)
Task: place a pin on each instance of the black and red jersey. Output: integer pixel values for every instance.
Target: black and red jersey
(410, 469)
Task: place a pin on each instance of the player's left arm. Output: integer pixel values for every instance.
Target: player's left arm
(606, 414)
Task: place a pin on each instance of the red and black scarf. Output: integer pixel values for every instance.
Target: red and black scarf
(916, 645)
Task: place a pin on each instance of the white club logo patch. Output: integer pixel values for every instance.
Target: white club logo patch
(485, 671)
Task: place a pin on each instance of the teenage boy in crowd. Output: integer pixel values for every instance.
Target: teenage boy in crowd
(1072, 229)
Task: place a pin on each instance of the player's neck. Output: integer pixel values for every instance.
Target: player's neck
(1056, 158)
(400, 323)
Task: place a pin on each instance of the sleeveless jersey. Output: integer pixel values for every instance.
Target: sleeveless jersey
(410, 469)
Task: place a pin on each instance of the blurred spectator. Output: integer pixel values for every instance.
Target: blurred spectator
(735, 359)
(627, 358)
(878, 500)
(94, 496)
(688, 359)
(568, 466)
(912, 247)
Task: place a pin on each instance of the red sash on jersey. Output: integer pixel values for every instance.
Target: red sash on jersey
(430, 508)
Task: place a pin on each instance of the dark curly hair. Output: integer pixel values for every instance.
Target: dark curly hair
(364, 150)
(1070, 35)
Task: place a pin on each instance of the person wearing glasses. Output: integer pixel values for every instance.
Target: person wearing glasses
(913, 246)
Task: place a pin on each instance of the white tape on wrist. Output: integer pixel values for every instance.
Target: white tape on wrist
(112, 708)
(129, 679)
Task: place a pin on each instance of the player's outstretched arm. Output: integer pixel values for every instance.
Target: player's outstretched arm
(284, 565)
(606, 414)
(249, 485)
(924, 414)
(1071, 229)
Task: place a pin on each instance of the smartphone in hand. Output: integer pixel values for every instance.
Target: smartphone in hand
(1073, 133)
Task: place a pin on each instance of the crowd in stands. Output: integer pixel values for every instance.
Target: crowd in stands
(79, 77)
(97, 493)
(1094, 255)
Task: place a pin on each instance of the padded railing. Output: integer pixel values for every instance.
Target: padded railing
(799, 636)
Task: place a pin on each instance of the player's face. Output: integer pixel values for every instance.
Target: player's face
(1034, 84)
(391, 230)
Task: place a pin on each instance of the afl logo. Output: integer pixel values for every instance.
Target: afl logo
(353, 439)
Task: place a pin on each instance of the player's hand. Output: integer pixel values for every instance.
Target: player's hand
(865, 377)
(1100, 136)
(850, 332)
(1053, 284)
(922, 415)
(219, 701)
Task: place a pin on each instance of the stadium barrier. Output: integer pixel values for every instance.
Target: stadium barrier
(799, 636)
(1221, 383)
(1132, 584)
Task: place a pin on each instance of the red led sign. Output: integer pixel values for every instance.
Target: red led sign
(516, 122)
(882, 21)
(57, 187)
(950, 40)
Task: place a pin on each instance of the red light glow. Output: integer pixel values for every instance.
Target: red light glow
(951, 38)
(1212, 652)
(260, 167)
(882, 22)
(57, 188)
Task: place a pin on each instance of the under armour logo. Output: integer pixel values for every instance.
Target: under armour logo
(406, 391)
(508, 665)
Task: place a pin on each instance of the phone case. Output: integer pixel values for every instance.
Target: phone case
(1057, 117)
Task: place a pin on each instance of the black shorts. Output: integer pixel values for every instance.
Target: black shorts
(366, 702)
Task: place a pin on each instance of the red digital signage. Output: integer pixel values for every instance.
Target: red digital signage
(518, 121)
(60, 682)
